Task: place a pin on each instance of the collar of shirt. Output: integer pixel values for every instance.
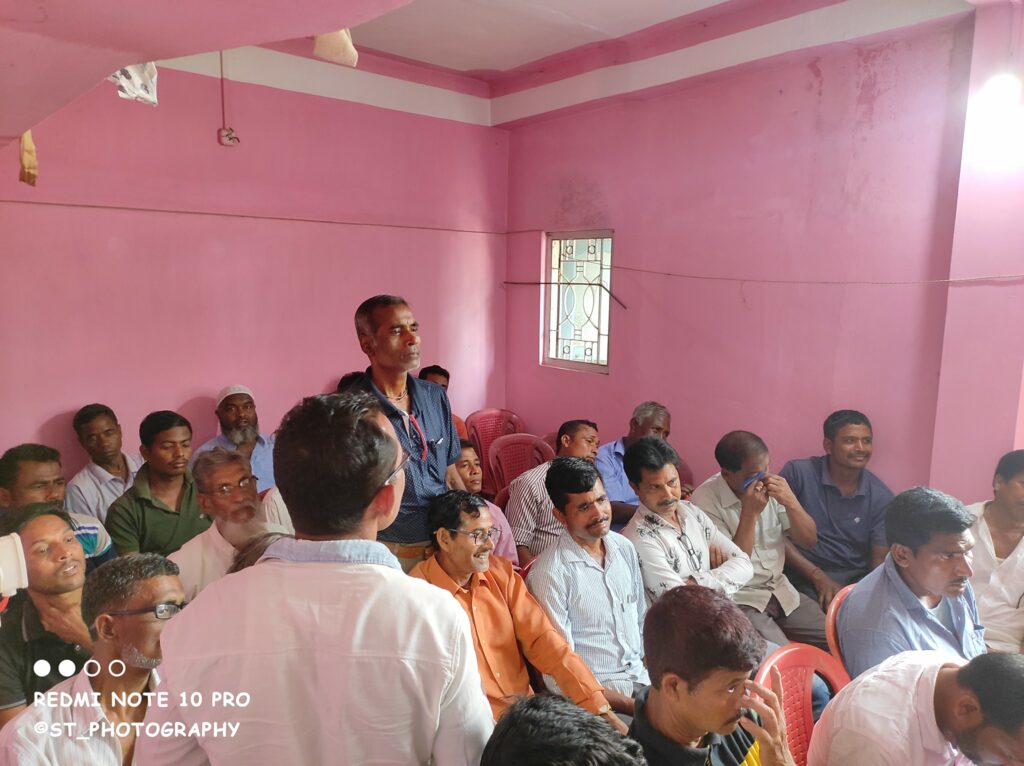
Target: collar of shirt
(655, 520)
(826, 478)
(141, 485)
(32, 626)
(223, 441)
(103, 476)
(338, 551)
(620, 447)
(82, 686)
(906, 595)
(412, 385)
(434, 573)
(726, 497)
(573, 552)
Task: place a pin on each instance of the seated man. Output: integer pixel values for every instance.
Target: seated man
(529, 507)
(921, 597)
(758, 509)
(550, 729)
(590, 585)
(240, 430)
(649, 419)
(274, 511)
(348, 659)
(701, 650)
(110, 471)
(676, 542)
(998, 564)
(469, 469)
(45, 628)
(847, 503)
(159, 513)
(507, 623)
(126, 603)
(435, 373)
(926, 709)
(227, 493)
(32, 473)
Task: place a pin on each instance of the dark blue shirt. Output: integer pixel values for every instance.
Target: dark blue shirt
(847, 526)
(432, 447)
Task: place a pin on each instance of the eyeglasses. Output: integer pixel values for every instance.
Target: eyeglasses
(394, 474)
(696, 560)
(160, 611)
(479, 535)
(226, 489)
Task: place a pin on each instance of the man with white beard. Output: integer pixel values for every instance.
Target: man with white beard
(227, 493)
(94, 717)
(240, 431)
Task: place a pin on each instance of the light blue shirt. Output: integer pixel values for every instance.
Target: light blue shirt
(613, 473)
(882, 617)
(343, 551)
(599, 611)
(262, 459)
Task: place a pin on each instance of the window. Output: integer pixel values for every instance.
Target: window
(579, 277)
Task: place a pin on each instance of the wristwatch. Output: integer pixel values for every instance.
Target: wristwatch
(604, 709)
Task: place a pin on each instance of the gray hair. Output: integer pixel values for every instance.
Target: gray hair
(644, 410)
(253, 550)
(115, 582)
(364, 314)
(210, 461)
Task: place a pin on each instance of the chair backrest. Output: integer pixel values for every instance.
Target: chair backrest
(514, 454)
(526, 569)
(501, 499)
(551, 437)
(484, 427)
(798, 663)
(831, 622)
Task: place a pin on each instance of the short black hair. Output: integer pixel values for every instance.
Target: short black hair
(692, 631)
(331, 458)
(913, 517)
(435, 369)
(89, 413)
(570, 427)
(569, 476)
(116, 581)
(445, 510)
(549, 729)
(842, 418)
(1011, 464)
(155, 423)
(364, 314)
(735, 447)
(24, 453)
(649, 453)
(349, 380)
(15, 520)
(467, 444)
(997, 680)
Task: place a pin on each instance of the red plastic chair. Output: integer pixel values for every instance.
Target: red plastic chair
(798, 663)
(831, 623)
(501, 499)
(512, 455)
(484, 427)
(551, 437)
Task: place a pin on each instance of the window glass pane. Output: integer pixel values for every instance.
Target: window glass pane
(579, 307)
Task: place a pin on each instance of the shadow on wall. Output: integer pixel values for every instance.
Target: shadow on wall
(199, 412)
(59, 433)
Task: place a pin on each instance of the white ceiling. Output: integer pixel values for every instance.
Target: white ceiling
(497, 35)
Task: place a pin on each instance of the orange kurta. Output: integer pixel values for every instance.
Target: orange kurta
(504, 617)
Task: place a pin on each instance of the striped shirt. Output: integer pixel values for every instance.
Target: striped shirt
(529, 511)
(600, 611)
(92, 535)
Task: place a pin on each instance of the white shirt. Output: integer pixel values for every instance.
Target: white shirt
(93, 489)
(530, 511)
(886, 717)
(670, 556)
(998, 588)
(768, 555)
(67, 739)
(207, 557)
(347, 660)
(274, 511)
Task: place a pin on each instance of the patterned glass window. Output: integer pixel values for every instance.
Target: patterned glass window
(578, 295)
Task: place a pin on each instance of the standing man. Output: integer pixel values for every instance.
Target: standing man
(847, 503)
(159, 513)
(420, 414)
(529, 506)
(125, 603)
(110, 471)
(349, 660)
(240, 430)
(998, 564)
(758, 510)
(649, 419)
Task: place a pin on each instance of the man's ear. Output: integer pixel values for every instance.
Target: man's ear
(366, 344)
(967, 710)
(204, 503)
(5, 498)
(381, 505)
(560, 517)
(827, 445)
(443, 539)
(563, 442)
(901, 554)
(144, 451)
(105, 627)
(673, 687)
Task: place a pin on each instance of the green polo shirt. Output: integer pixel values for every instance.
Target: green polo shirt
(23, 642)
(137, 521)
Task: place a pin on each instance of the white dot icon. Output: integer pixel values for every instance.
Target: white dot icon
(41, 668)
(66, 668)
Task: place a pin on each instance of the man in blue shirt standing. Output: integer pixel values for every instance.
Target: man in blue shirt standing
(389, 335)
(847, 503)
(921, 596)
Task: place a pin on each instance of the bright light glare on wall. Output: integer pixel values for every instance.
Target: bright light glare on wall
(996, 125)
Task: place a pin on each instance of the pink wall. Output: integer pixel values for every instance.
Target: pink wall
(152, 266)
(837, 165)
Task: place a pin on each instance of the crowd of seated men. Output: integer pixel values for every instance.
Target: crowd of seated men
(347, 580)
